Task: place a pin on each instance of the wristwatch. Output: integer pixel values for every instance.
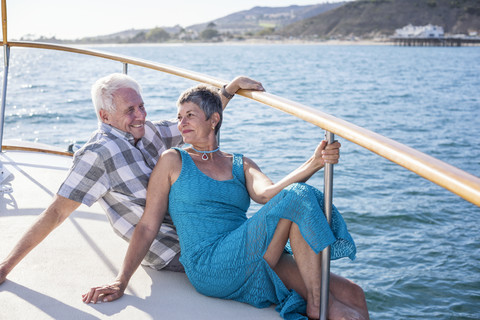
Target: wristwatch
(225, 93)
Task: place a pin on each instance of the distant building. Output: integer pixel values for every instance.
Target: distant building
(428, 31)
(188, 35)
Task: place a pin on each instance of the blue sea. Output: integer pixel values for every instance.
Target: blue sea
(418, 244)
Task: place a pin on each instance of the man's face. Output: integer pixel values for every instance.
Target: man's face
(129, 115)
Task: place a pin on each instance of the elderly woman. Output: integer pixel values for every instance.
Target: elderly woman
(226, 255)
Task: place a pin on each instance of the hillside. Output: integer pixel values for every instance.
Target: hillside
(259, 18)
(364, 19)
(236, 24)
(377, 18)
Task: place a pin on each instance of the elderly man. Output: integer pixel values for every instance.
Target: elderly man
(113, 168)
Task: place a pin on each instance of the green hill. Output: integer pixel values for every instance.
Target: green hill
(378, 18)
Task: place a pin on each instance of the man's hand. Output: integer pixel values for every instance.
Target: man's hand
(3, 272)
(105, 293)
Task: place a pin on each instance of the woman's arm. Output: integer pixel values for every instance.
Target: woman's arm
(238, 83)
(145, 231)
(262, 189)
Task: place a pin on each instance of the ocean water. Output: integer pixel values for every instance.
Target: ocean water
(418, 244)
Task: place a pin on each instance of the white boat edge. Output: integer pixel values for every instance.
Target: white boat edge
(84, 252)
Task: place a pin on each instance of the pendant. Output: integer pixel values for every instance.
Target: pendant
(204, 157)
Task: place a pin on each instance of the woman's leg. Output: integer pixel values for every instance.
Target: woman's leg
(346, 300)
(283, 264)
(301, 274)
(309, 265)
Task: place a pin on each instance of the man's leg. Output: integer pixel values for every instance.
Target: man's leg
(175, 265)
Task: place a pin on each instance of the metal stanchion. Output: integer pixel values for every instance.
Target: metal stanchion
(6, 59)
(325, 273)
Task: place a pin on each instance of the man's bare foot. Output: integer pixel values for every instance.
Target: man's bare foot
(336, 311)
(340, 311)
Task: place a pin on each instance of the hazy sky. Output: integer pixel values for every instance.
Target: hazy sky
(68, 19)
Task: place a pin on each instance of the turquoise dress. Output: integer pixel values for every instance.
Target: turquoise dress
(222, 250)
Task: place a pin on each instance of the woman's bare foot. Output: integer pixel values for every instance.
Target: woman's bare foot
(313, 305)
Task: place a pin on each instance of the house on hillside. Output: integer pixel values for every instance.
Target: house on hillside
(428, 31)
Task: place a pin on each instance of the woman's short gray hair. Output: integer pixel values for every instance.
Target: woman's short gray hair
(207, 98)
(104, 88)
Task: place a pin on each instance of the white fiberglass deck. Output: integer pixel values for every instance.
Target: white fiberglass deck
(84, 252)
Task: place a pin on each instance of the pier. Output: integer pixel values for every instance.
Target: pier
(436, 41)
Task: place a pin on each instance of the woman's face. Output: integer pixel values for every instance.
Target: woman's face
(193, 124)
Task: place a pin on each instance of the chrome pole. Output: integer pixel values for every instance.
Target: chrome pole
(327, 200)
(125, 68)
(6, 59)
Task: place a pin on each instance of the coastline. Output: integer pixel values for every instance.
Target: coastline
(251, 42)
(363, 42)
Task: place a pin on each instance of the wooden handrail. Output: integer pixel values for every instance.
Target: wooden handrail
(4, 22)
(447, 176)
(32, 149)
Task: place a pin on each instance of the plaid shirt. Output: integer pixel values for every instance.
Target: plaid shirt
(114, 171)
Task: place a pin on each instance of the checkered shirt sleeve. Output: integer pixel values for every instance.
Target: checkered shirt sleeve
(87, 180)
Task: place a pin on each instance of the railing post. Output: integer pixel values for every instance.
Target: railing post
(125, 67)
(327, 200)
(6, 59)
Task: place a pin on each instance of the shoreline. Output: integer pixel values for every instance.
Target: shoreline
(253, 42)
(250, 42)
(312, 42)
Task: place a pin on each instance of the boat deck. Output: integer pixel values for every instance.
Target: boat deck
(84, 252)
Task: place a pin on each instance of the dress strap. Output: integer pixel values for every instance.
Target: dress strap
(186, 159)
(238, 167)
(183, 153)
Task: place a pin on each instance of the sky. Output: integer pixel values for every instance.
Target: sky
(73, 19)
